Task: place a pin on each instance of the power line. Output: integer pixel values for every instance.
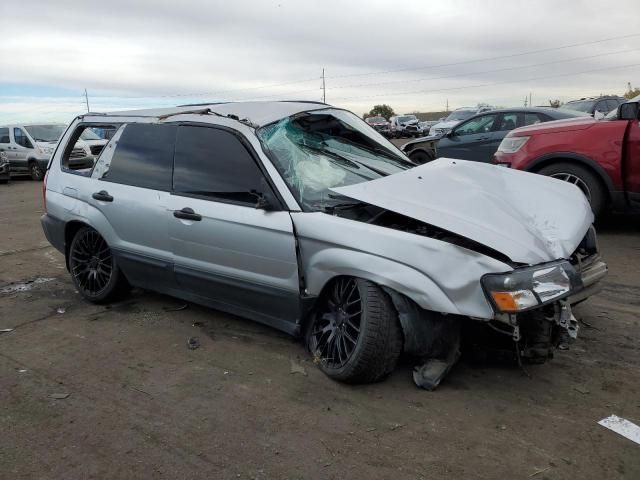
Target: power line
(486, 59)
(384, 72)
(487, 84)
(485, 71)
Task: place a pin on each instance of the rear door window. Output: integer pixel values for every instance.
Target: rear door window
(215, 164)
(143, 157)
(509, 121)
(4, 135)
(533, 118)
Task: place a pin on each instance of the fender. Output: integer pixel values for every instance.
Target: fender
(548, 158)
(327, 264)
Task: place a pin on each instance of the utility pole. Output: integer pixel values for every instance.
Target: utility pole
(324, 90)
(447, 105)
(530, 104)
(86, 98)
(525, 101)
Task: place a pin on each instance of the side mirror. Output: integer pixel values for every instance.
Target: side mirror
(263, 202)
(628, 111)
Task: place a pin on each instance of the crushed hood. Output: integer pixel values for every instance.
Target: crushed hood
(528, 217)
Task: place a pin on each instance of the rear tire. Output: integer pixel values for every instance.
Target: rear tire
(420, 157)
(94, 269)
(355, 335)
(584, 179)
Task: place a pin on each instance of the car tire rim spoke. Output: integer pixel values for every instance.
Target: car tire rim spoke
(337, 326)
(575, 180)
(91, 263)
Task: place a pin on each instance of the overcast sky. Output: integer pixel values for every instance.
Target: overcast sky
(412, 55)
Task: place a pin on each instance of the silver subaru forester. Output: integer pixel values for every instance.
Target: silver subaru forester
(301, 216)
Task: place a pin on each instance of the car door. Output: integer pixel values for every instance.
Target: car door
(237, 257)
(128, 196)
(470, 140)
(631, 166)
(19, 150)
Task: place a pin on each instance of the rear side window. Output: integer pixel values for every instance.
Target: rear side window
(4, 135)
(214, 163)
(143, 157)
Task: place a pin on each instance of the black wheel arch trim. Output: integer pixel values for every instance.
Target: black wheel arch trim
(551, 158)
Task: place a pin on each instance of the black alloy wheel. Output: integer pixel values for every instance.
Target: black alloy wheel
(335, 333)
(93, 267)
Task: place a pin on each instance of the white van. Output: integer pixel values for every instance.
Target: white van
(28, 148)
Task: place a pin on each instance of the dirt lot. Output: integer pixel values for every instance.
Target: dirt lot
(142, 405)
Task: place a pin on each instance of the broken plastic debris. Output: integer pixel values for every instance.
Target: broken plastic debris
(59, 396)
(22, 370)
(61, 310)
(297, 368)
(193, 343)
(6, 330)
(623, 427)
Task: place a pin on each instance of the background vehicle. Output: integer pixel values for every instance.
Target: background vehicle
(597, 107)
(425, 126)
(601, 157)
(404, 126)
(478, 137)
(454, 118)
(307, 220)
(380, 124)
(4, 168)
(29, 147)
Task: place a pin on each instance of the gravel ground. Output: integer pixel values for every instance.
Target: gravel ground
(134, 402)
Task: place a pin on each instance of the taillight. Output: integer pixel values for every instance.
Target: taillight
(44, 192)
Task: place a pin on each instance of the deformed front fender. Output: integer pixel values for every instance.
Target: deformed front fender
(325, 264)
(436, 275)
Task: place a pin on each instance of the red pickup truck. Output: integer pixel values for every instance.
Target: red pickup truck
(601, 157)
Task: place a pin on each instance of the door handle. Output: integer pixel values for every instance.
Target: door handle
(187, 214)
(102, 196)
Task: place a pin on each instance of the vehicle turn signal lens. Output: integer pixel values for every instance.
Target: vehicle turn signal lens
(514, 301)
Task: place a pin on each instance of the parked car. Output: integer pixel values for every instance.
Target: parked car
(601, 157)
(298, 215)
(478, 137)
(404, 126)
(4, 168)
(424, 127)
(454, 118)
(597, 107)
(29, 148)
(380, 124)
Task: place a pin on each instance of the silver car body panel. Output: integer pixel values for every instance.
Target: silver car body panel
(436, 275)
(530, 218)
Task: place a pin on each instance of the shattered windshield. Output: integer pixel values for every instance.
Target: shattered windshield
(319, 150)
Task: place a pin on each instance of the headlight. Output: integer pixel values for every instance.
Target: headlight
(527, 288)
(512, 144)
(46, 150)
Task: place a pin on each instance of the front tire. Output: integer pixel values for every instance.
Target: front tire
(420, 157)
(93, 267)
(36, 171)
(355, 335)
(582, 178)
